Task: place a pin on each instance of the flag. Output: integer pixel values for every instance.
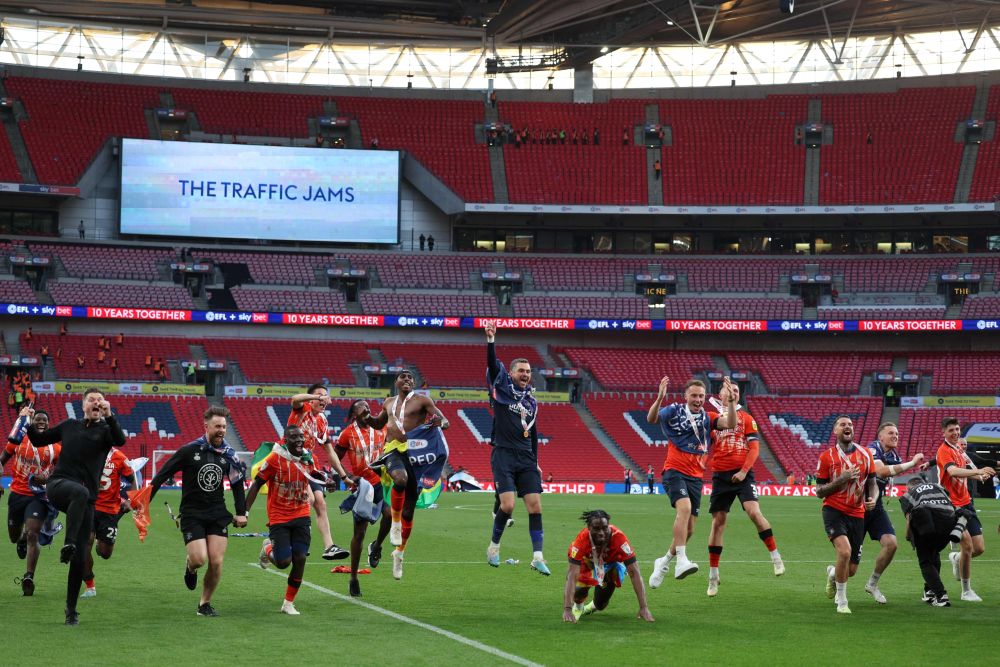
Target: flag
(258, 460)
(428, 451)
(140, 509)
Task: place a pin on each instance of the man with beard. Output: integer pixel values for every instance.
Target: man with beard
(845, 480)
(204, 520)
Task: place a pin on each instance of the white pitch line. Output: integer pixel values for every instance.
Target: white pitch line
(420, 624)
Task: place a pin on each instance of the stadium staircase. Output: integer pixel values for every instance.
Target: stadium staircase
(970, 153)
(498, 169)
(16, 139)
(654, 184)
(812, 162)
(602, 436)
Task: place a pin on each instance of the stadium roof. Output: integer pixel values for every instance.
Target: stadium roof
(578, 24)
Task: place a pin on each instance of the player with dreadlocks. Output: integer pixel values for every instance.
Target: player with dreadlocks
(599, 557)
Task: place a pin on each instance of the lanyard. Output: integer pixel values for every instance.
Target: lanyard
(598, 557)
(367, 450)
(695, 428)
(525, 424)
(397, 419)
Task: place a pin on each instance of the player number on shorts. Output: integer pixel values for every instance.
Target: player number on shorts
(112, 533)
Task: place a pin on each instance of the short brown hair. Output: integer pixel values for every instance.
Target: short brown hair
(520, 360)
(883, 426)
(694, 382)
(92, 390)
(948, 421)
(216, 411)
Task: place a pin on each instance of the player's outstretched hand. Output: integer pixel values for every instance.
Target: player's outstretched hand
(645, 615)
(490, 329)
(664, 383)
(568, 616)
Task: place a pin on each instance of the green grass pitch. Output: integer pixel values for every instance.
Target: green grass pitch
(451, 608)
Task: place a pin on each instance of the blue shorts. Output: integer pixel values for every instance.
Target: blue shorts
(680, 486)
(877, 523)
(515, 470)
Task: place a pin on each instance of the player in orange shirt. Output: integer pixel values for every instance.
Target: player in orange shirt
(309, 414)
(288, 499)
(599, 557)
(362, 444)
(734, 451)
(26, 507)
(845, 480)
(111, 504)
(688, 427)
(954, 470)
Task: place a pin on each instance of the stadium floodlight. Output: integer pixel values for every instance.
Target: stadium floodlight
(787, 6)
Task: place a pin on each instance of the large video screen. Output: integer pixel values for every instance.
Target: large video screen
(235, 191)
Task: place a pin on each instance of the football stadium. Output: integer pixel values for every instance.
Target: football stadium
(501, 305)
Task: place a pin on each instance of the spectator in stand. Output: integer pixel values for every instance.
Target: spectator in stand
(27, 335)
(44, 352)
(650, 478)
(114, 366)
(625, 136)
(868, 139)
(493, 99)
(798, 136)
(157, 366)
(423, 242)
(597, 136)
(101, 356)
(149, 360)
(517, 140)
(657, 168)
(373, 144)
(82, 230)
(100, 343)
(430, 243)
(319, 144)
(80, 360)
(585, 136)
(562, 137)
(575, 138)
(189, 374)
(163, 373)
(62, 328)
(120, 340)
(58, 353)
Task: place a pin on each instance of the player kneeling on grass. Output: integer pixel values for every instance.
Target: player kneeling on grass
(598, 558)
(289, 499)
